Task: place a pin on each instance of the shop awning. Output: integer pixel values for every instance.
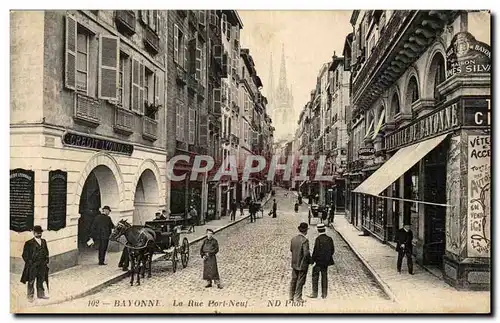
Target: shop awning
(397, 165)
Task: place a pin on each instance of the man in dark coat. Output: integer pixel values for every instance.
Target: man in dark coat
(331, 216)
(253, 210)
(301, 258)
(208, 251)
(275, 208)
(404, 247)
(234, 207)
(322, 257)
(36, 259)
(101, 230)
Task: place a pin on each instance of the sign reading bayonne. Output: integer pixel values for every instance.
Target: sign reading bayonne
(466, 55)
(83, 141)
(430, 125)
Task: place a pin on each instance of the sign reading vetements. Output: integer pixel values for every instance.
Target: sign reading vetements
(82, 141)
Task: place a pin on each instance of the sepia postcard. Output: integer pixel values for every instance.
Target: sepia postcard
(237, 161)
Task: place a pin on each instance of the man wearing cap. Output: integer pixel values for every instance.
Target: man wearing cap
(36, 258)
(159, 217)
(208, 252)
(404, 247)
(101, 230)
(322, 257)
(301, 258)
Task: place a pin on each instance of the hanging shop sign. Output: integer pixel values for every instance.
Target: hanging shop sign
(442, 120)
(467, 56)
(83, 141)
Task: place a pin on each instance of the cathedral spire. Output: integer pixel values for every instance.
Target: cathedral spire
(282, 82)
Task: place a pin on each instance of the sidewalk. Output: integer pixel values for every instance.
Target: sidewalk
(88, 278)
(422, 292)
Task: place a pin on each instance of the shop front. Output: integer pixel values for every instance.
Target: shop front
(437, 180)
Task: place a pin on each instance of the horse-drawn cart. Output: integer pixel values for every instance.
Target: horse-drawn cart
(317, 211)
(167, 241)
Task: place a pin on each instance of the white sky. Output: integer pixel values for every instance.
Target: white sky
(309, 37)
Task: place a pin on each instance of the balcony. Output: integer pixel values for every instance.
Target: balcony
(86, 110)
(124, 121)
(180, 76)
(151, 40)
(125, 21)
(149, 129)
(407, 35)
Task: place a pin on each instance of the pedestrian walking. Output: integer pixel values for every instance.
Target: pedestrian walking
(296, 207)
(275, 208)
(252, 208)
(36, 260)
(301, 258)
(233, 210)
(241, 207)
(331, 216)
(404, 248)
(322, 257)
(208, 252)
(101, 230)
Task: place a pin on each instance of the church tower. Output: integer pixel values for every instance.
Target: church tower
(282, 103)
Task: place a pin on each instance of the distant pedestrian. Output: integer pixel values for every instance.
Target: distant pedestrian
(296, 207)
(253, 211)
(101, 230)
(275, 208)
(331, 216)
(242, 205)
(36, 259)
(301, 258)
(404, 248)
(234, 207)
(208, 252)
(322, 257)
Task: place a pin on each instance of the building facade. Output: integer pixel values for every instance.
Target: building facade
(420, 135)
(90, 129)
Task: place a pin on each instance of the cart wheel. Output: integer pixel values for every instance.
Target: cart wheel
(185, 252)
(174, 260)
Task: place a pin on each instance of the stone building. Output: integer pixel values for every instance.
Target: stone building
(421, 135)
(87, 124)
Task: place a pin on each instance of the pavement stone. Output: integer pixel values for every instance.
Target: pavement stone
(254, 265)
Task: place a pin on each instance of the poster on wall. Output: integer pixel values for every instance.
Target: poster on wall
(479, 202)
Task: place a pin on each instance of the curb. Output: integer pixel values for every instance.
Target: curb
(119, 276)
(387, 290)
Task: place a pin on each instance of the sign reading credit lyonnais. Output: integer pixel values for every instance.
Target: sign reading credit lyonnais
(78, 140)
(466, 55)
(433, 124)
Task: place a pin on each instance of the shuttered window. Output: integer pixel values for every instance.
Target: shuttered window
(109, 53)
(70, 58)
(185, 52)
(217, 101)
(179, 120)
(203, 64)
(218, 53)
(192, 125)
(198, 59)
(203, 139)
(148, 85)
(235, 62)
(124, 81)
(202, 17)
(176, 44)
(82, 62)
(137, 93)
(157, 83)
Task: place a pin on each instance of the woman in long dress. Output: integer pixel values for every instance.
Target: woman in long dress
(208, 251)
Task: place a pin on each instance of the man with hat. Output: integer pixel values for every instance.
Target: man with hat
(301, 258)
(159, 217)
(208, 252)
(36, 259)
(322, 257)
(404, 247)
(101, 230)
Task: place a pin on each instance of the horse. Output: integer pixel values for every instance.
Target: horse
(140, 245)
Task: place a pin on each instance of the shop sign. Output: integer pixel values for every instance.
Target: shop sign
(22, 199)
(438, 122)
(479, 196)
(58, 192)
(467, 56)
(477, 112)
(366, 151)
(83, 141)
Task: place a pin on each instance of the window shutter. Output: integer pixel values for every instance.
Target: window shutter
(182, 112)
(70, 61)
(109, 53)
(202, 17)
(224, 65)
(158, 21)
(185, 54)
(178, 120)
(134, 94)
(218, 53)
(141, 88)
(144, 16)
(198, 60)
(176, 44)
(203, 140)
(217, 101)
(191, 125)
(157, 88)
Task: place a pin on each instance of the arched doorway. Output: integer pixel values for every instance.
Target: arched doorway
(100, 189)
(146, 198)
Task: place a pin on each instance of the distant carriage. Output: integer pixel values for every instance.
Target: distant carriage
(318, 211)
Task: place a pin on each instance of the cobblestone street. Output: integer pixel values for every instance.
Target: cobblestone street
(254, 264)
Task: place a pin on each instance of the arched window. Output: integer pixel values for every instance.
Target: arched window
(437, 73)
(395, 105)
(412, 94)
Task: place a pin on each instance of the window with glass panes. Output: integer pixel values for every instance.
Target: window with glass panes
(82, 62)
(121, 79)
